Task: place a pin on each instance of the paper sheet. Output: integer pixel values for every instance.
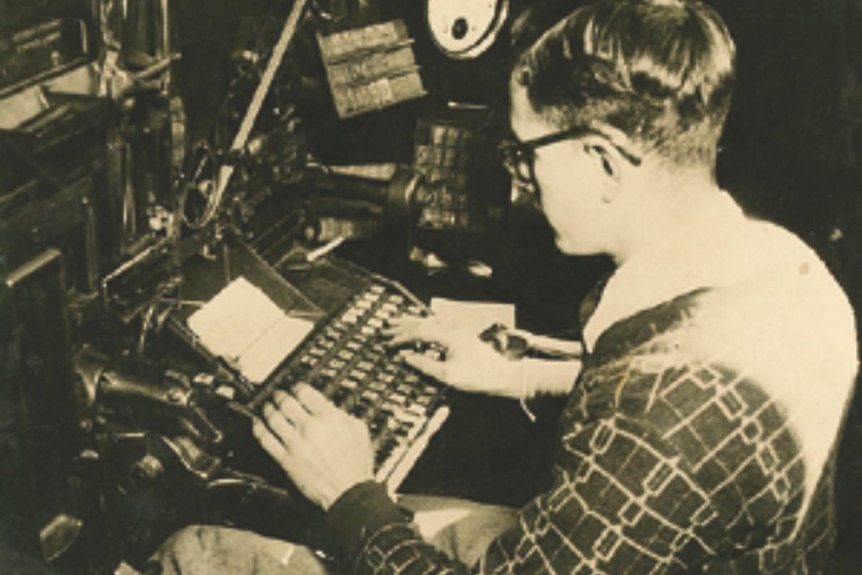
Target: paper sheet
(474, 314)
(246, 328)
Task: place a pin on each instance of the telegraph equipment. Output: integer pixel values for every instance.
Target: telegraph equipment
(112, 237)
(37, 52)
(370, 68)
(465, 29)
(463, 205)
(240, 141)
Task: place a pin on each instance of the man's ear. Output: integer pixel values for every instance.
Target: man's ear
(609, 161)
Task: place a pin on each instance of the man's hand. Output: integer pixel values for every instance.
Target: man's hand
(468, 363)
(323, 449)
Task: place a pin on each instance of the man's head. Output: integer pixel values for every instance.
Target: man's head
(658, 71)
(620, 100)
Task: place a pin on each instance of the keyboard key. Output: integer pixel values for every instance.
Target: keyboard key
(329, 373)
(429, 389)
(405, 389)
(350, 317)
(373, 294)
(416, 409)
(409, 418)
(392, 423)
(349, 383)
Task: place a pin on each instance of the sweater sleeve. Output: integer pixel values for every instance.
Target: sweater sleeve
(616, 505)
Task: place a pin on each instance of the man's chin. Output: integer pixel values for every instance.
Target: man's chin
(571, 248)
(564, 246)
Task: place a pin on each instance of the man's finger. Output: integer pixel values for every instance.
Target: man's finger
(270, 443)
(431, 333)
(402, 330)
(276, 422)
(396, 326)
(404, 339)
(291, 408)
(429, 366)
(280, 453)
(315, 402)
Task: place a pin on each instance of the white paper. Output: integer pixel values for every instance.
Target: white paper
(474, 314)
(259, 360)
(246, 328)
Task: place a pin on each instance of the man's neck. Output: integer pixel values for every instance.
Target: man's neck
(661, 206)
(702, 246)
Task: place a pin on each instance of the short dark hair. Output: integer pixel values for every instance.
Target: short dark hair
(660, 71)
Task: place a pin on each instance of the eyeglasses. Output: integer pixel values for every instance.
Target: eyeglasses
(519, 157)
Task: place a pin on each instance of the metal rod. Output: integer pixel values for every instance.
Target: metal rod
(242, 135)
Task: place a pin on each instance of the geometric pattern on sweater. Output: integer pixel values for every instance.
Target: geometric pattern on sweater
(661, 467)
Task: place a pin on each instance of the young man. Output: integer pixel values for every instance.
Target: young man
(700, 430)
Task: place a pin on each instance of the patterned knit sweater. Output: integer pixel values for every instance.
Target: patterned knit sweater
(672, 457)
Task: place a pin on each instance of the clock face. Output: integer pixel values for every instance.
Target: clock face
(465, 28)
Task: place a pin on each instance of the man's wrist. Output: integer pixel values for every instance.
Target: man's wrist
(547, 377)
(356, 515)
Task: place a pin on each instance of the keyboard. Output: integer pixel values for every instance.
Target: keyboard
(345, 359)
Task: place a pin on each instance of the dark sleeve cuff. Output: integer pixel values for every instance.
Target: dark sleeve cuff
(360, 512)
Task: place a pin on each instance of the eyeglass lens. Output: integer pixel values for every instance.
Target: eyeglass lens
(518, 162)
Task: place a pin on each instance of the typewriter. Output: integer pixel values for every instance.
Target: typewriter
(346, 360)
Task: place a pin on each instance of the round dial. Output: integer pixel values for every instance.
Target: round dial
(465, 28)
